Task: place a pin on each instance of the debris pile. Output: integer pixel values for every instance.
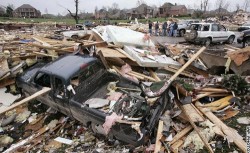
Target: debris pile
(152, 97)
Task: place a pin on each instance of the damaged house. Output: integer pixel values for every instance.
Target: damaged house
(168, 9)
(27, 11)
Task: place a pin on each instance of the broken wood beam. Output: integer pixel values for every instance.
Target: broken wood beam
(186, 64)
(181, 134)
(144, 76)
(195, 127)
(231, 133)
(158, 137)
(43, 54)
(154, 75)
(49, 47)
(27, 99)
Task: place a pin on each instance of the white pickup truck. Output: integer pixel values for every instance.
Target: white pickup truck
(207, 33)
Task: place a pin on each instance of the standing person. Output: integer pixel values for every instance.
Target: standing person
(156, 28)
(175, 27)
(168, 25)
(164, 28)
(150, 25)
(171, 29)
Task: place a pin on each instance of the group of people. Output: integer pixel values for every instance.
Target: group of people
(169, 28)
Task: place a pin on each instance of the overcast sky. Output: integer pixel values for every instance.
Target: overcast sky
(55, 6)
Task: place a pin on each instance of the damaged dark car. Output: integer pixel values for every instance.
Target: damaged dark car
(84, 90)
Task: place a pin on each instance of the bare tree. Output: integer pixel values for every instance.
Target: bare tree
(246, 4)
(237, 7)
(205, 5)
(139, 2)
(114, 8)
(74, 15)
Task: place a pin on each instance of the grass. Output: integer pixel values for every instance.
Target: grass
(71, 21)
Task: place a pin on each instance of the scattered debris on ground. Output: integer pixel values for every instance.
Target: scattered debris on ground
(190, 94)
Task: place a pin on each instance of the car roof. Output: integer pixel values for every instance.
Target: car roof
(67, 66)
(204, 23)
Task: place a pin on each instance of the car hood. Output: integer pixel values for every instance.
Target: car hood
(29, 73)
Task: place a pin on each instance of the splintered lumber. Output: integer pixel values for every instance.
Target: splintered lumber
(232, 134)
(154, 75)
(109, 52)
(7, 81)
(105, 63)
(25, 100)
(201, 96)
(176, 145)
(49, 47)
(186, 64)
(174, 70)
(181, 134)
(219, 104)
(216, 90)
(43, 54)
(191, 121)
(193, 113)
(144, 76)
(158, 137)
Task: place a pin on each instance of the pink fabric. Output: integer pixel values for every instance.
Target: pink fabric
(114, 96)
(110, 121)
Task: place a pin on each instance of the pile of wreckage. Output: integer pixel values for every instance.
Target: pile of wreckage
(191, 117)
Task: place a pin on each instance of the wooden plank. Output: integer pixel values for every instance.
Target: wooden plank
(201, 96)
(144, 76)
(25, 100)
(158, 137)
(43, 54)
(191, 121)
(231, 133)
(176, 145)
(179, 135)
(182, 73)
(109, 52)
(219, 104)
(193, 114)
(6, 82)
(105, 63)
(154, 75)
(216, 90)
(186, 64)
(49, 47)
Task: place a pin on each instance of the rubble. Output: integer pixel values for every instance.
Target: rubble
(195, 102)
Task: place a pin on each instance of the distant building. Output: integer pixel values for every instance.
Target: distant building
(178, 10)
(168, 9)
(142, 11)
(27, 11)
(2, 11)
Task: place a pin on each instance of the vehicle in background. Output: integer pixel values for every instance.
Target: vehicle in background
(245, 26)
(183, 24)
(244, 38)
(207, 33)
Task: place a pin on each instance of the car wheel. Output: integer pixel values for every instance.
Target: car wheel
(182, 32)
(192, 35)
(207, 41)
(230, 40)
(246, 42)
(74, 37)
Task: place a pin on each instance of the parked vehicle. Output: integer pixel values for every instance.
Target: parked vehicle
(207, 33)
(76, 80)
(244, 27)
(244, 38)
(75, 34)
(183, 24)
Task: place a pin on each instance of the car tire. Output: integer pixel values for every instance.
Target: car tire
(246, 42)
(192, 35)
(230, 40)
(207, 42)
(182, 33)
(74, 37)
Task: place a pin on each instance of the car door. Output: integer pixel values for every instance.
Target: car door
(216, 34)
(223, 33)
(60, 96)
(41, 80)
